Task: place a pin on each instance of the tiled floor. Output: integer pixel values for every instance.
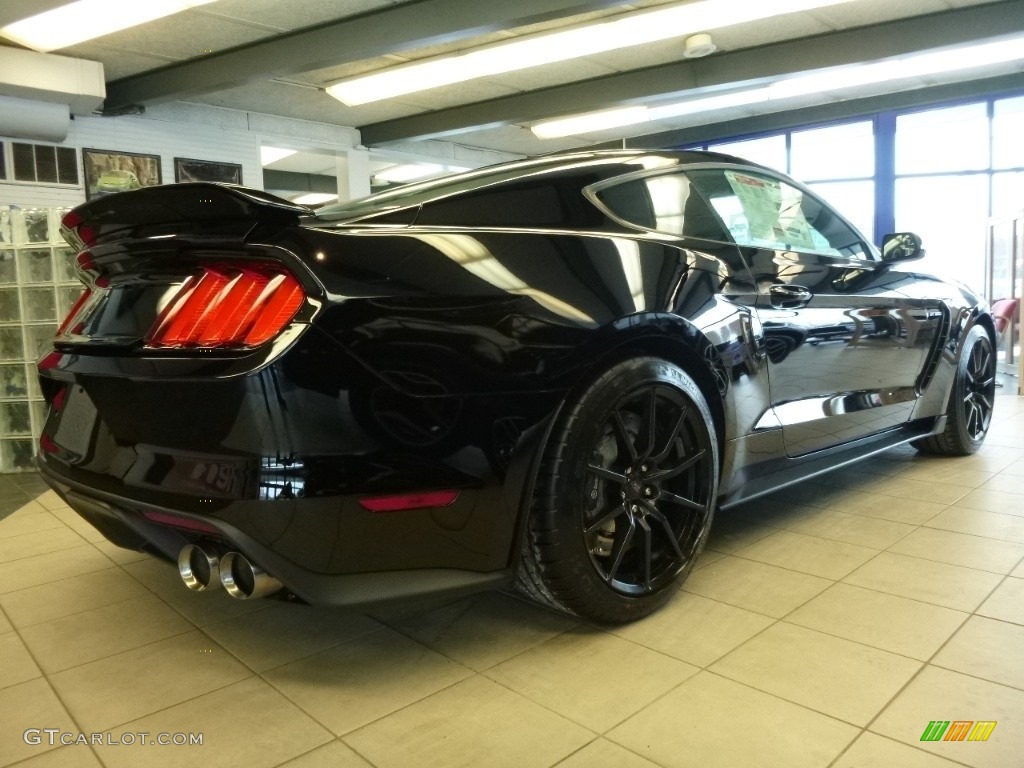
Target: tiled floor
(827, 625)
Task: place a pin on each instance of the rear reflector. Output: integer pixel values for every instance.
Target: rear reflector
(186, 523)
(404, 501)
(75, 309)
(227, 305)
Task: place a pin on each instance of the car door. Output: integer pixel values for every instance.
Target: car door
(845, 350)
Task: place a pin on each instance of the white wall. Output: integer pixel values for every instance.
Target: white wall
(192, 131)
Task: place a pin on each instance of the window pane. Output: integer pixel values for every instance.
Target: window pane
(854, 199)
(664, 203)
(764, 212)
(836, 152)
(1007, 193)
(769, 151)
(1007, 129)
(939, 140)
(950, 215)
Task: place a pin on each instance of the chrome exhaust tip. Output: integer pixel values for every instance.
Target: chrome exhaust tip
(246, 580)
(199, 569)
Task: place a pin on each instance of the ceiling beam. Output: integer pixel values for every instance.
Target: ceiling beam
(749, 66)
(395, 29)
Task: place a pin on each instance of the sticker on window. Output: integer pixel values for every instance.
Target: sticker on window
(773, 211)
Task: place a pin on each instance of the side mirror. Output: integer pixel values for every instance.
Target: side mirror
(902, 246)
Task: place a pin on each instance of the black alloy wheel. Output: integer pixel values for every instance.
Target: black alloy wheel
(971, 402)
(626, 494)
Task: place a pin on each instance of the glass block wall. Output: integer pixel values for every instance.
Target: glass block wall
(37, 288)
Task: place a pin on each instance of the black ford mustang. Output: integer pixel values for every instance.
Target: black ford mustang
(547, 373)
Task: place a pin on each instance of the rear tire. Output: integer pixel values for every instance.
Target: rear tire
(971, 401)
(624, 496)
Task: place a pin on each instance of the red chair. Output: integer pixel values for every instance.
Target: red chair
(1003, 311)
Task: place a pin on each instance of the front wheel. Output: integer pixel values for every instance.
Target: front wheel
(624, 496)
(969, 413)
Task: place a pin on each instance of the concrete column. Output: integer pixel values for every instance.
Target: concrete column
(353, 174)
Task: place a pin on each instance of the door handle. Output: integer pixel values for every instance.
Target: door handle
(783, 296)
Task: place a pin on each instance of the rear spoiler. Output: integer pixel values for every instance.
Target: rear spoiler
(176, 209)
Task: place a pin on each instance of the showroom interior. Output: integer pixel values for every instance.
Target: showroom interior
(832, 623)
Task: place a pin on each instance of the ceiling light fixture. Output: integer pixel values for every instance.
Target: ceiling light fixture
(270, 155)
(87, 19)
(530, 51)
(917, 65)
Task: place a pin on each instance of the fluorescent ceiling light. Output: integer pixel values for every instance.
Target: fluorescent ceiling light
(86, 19)
(399, 174)
(917, 65)
(270, 155)
(314, 198)
(531, 51)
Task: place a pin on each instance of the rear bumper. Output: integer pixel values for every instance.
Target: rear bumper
(123, 523)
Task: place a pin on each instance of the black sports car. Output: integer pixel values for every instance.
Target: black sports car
(546, 373)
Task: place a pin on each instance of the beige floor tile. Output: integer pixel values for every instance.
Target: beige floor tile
(707, 557)
(120, 555)
(473, 723)
(50, 500)
(695, 629)
(873, 751)
(976, 522)
(772, 511)
(948, 471)
(201, 608)
(993, 501)
(28, 508)
(42, 569)
(892, 623)
(244, 725)
(951, 586)
(1018, 572)
(853, 529)
(987, 648)
(16, 664)
(712, 721)
(920, 490)
(755, 586)
(29, 705)
(77, 523)
(74, 756)
(909, 511)
(484, 630)
(811, 668)
(592, 678)
(353, 684)
(602, 753)
(960, 549)
(821, 493)
(5, 624)
(16, 525)
(284, 632)
(1006, 603)
(808, 554)
(938, 694)
(26, 545)
(730, 533)
(83, 637)
(334, 754)
(77, 594)
(1008, 483)
(139, 682)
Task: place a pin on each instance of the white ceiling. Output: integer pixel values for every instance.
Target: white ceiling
(192, 40)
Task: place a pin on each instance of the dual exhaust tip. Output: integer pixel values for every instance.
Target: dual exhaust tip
(204, 570)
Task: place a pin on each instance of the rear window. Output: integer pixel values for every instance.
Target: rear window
(666, 203)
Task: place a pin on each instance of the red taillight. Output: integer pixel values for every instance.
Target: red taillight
(177, 521)
(228, 306)
(403, 501)
(75, 309)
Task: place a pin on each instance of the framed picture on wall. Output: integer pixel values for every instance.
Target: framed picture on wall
(107, 172)
(204, 170)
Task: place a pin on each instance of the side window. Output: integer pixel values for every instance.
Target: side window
(765, 212)
(663, 203)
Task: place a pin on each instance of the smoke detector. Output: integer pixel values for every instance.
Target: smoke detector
(696, 46)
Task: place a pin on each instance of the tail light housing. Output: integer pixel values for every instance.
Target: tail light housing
(228, 306)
